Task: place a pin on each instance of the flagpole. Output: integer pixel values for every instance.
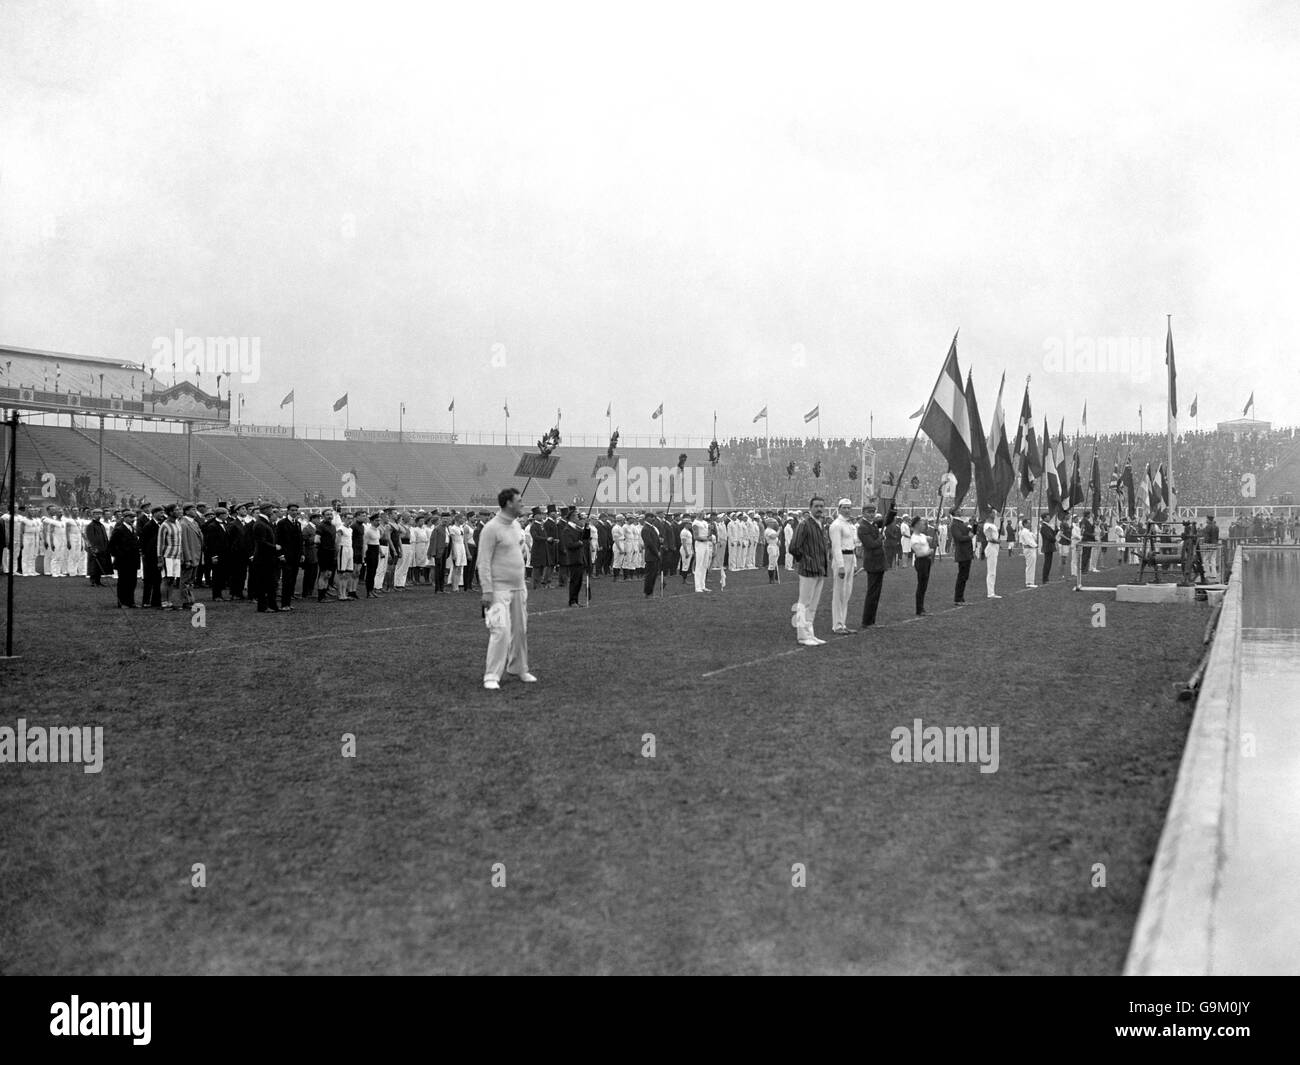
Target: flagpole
(293, 416)
(1169, 423)
(907, 458)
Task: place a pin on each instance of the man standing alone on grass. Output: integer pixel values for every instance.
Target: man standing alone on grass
(843, 537)
(500, 566)
(811, 550)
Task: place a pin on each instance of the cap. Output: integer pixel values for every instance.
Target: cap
(845, 503)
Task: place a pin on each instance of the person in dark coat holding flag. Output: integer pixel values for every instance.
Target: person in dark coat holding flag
(871, 536)
(124, 549)
(963, 552)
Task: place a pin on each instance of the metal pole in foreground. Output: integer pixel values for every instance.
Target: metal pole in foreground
(11, 471)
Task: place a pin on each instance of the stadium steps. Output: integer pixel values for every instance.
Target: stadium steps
(1283, 478)
(70, 454)
(170, 478)
(231, 480)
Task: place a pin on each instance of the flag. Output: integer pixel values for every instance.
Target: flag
(506, 407)
(814, 413)
(1031, 463)
(1085, 415)
(1004, 470)
(1162, 482)
(287, 400)
(916, 413)
(1053, 474)
(1076, 485)
(452, 405)
(979, 450)
(1157, 494)
(1063, 472)
(658, 411)
(609, 409)
(1096, 484)
(1249, 404)
(1192, 409)
(761, 414)
(947, 422)
(1173, 380)
(341, 402)
(1129, 491)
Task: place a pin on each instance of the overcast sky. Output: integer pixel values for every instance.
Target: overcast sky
(570, 206)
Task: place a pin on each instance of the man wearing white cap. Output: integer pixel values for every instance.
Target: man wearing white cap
(844, 539)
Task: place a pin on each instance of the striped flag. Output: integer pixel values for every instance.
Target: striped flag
(287, 400)
(814, 413)
(1062, 471)
(341, 402)
(1004, 470)
(1052, 472)
(761, 415)
(979, 450)
(658, 411)
(947, 422)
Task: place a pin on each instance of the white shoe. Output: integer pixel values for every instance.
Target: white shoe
(1031, 586)
(491, 685)
(993, 597)
(812, 643)
(527, 678)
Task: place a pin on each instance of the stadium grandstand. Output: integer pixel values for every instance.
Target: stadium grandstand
(1213, 468)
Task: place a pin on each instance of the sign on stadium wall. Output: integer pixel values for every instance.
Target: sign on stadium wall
(240, 429)
(390, 436)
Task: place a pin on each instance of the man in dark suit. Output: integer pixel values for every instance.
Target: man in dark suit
(537, 554)
(214, 551)
(669, 545)
(235, 571)
(310, 562)
(571, 537)
(871, 536)
(98, 560)
(652, 545)
(553, 559)
(1047, 544)
(267, 557)
(963, 551)
(893, 543)
(288, 539)
(146, 534)
(124, 548)
(439, 542)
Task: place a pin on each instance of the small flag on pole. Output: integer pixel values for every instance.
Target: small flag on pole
(452, 405)
(609, 409)
(917, 413)
(287, 400)
(1250, 403)
(1085, 415)
(761, 415)
(341, 402)
(812, 414)
(1192, 409)
(658, 411)
(1173, 379)
(506, 408)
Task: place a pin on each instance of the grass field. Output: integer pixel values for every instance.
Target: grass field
(223, 746)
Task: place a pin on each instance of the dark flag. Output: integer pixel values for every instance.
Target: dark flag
(1096, 485)
(1076, 484)
(1173, 380)
(1129, 491)
(979, 451)
(947, 422)
(1063, 471)
(341, 402)
(1031, 462)
(1053, 474)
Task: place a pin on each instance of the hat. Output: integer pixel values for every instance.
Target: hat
(222, 511)
(535, 510)
(846, 502)
(266, 508)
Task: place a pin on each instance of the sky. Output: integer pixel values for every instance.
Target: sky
(716, 207)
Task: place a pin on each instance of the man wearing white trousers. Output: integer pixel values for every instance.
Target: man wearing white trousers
(703, 553)
(1029, 542)
(993, 545)
(811, 550)
(844, 539)
(500, 568)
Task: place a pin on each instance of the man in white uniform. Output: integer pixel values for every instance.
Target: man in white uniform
(500, 568)
(686, 538)
(76, 566)
(1029, 544)
(844, 539)
(703, 551)
(993, 544)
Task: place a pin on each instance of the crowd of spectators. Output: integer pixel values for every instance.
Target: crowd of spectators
(1208, 466)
